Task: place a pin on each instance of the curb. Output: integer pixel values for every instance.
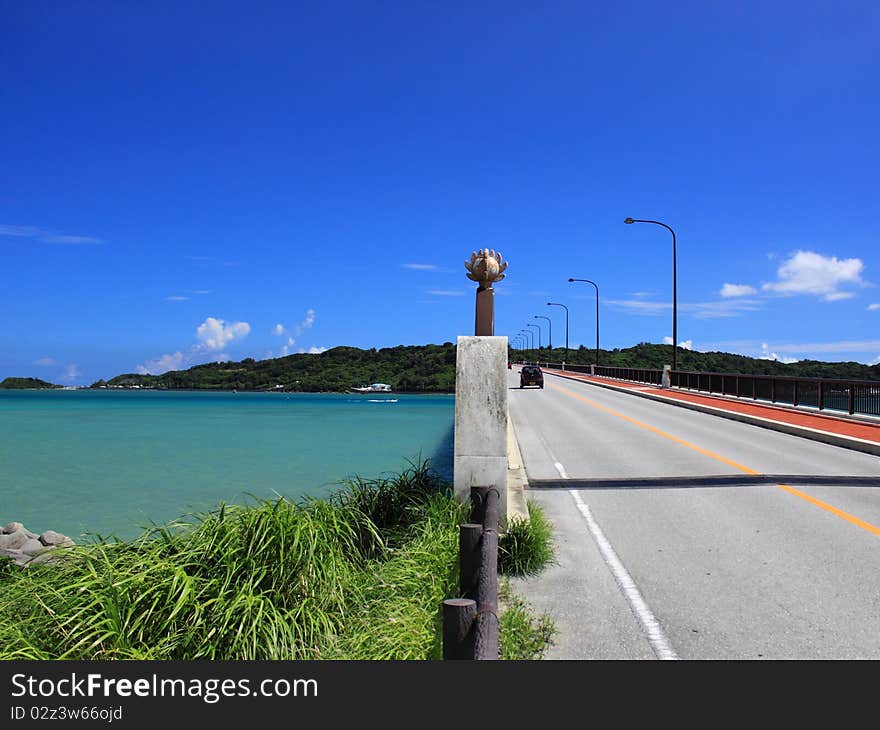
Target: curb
(517, 506)
(847, 442)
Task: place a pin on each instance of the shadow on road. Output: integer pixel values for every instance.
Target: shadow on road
(720, 480)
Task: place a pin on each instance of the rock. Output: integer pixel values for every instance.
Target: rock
(33, 546)
(13, 540)
(50, 537)
(12, 527)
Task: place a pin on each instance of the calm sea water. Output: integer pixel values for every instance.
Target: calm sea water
(112, 462)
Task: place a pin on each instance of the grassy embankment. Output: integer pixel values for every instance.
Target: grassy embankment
(359, 575)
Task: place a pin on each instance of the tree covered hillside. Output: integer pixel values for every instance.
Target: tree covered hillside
(408, 369)
(647, 355)
(431, 368)
(26, 383)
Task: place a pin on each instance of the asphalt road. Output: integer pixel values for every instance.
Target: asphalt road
(684, 535)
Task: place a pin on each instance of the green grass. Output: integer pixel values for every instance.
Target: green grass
(522, 635)
(360, 575)
(527, 546)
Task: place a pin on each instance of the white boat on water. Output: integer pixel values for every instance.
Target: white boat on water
(374, 388)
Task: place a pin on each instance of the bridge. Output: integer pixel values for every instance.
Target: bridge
(700, 526)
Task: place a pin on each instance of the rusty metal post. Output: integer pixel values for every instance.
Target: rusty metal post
(485, 507)
(492, 507)
(486, 628)
(478, 504)
(458, 628)
(469, 554)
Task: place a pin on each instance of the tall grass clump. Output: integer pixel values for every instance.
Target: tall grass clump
(361, 574)
(269, 580)
(527, 546)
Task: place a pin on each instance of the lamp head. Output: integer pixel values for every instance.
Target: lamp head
(628, 220)
(570, 280)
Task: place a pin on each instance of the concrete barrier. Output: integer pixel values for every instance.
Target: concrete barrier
(481, 433)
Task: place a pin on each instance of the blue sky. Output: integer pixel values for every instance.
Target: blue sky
(185, 182)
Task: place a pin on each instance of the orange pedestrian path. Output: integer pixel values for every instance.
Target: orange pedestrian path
(839, 425)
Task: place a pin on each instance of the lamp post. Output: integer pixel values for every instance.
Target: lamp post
(674, 286)
(597, 312)
(555, 304)
(539, 333)
(549, 330)
(530, 335)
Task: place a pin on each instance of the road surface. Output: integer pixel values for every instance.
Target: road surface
(683, 535)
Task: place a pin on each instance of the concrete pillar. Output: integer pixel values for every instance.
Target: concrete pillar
(480, 450)
(592, 369)
(667, 376)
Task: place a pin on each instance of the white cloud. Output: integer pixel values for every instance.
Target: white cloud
(215, 333)
(307, 322)
(807, 272)
(163, 364)
(45, 362)
(315, 350)
(71, 373)
(23, 231)
(446, 292)
(767, 355)
(176, 298)
(200, 291)
(70, 239)
(279, 330)
(46, 236)
(873, 307)
(737, 290)
(683, 344)
(420, 267)
(635, 306)
(722, 308)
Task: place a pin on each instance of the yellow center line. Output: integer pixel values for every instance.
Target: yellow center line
(712, 455)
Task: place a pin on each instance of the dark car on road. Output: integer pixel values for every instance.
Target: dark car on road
(531, 375)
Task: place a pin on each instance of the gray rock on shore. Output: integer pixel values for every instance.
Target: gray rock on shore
(23, 546)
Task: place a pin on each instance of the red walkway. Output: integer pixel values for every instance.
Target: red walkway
(839, 425)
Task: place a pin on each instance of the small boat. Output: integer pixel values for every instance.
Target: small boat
(374, 388)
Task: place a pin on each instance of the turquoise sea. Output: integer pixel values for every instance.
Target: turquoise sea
(112, 462)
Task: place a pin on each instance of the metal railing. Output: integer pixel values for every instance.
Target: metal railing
(855, 397)
(849, 396)
(470, 623)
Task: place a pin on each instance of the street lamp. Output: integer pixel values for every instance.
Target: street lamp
(549, 330)
(531, 336)
(674, 292)
(539, 333)
(555, 304)
(587, 281)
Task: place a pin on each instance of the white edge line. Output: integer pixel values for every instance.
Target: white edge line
(659, 643)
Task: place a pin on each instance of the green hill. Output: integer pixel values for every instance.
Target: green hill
(646, 355)
(408, 369)
(431, 368)
(26, 383)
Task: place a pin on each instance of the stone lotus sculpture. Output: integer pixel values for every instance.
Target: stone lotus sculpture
(485, 267)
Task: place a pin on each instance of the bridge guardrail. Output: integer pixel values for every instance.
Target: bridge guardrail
(470, 623)
(855, 397)
(850, 396)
